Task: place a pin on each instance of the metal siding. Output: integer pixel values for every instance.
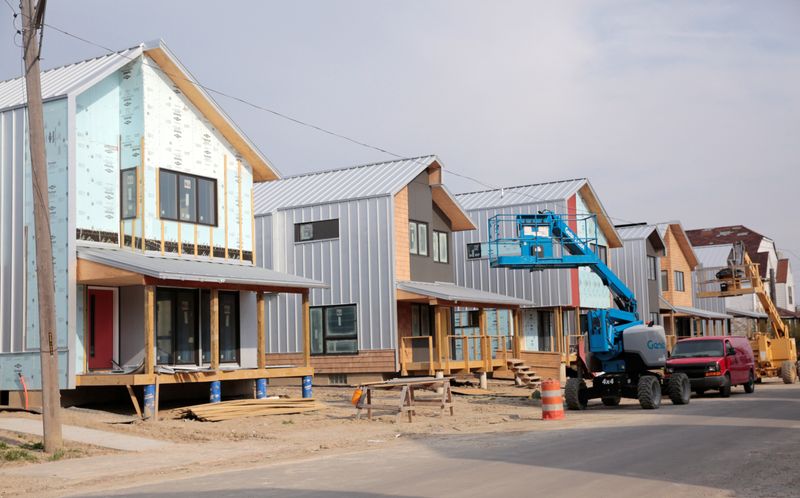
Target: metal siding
(520, 196)
(545, 288)
(630, 264)
(357, 267)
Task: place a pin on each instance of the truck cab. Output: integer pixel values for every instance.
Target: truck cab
(718, 363)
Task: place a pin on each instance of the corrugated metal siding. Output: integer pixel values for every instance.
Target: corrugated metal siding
(59, 81)
(519, 195)
(358, 267)
(713, 256)
(635, 232)
(630, 264)
(545, 288)
(12, 237)
(339, 185)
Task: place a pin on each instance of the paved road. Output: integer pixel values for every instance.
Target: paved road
(748, 445)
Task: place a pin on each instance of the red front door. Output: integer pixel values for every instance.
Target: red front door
(100, 340)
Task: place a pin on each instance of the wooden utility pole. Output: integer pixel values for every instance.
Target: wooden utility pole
(32, 16)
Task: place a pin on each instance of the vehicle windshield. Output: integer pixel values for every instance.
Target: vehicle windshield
(697, 349)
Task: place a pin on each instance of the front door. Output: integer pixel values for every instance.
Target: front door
(101, 329)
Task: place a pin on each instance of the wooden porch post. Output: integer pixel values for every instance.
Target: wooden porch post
(261, 333)
(559, 330)
(486, 355)
(517, 331)
(149, 329)
(214, 328)
(306, 328)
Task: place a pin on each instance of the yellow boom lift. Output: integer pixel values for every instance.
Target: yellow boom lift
(775, 352)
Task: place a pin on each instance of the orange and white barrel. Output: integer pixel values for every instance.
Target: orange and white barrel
(552, 402)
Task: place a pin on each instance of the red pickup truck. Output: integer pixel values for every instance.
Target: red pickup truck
(718, 362)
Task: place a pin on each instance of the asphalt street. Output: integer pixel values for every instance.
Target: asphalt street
(747, 445)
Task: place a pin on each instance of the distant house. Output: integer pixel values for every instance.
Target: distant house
(638, 264)
(381, 236)
(784, 285)
(556, 317)
(152, 228)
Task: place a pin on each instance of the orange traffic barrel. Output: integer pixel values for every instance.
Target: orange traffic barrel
(356, 396)
(552, 403)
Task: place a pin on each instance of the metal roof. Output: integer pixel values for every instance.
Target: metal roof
(455, 293)
(636, 232)
(356, 182)
(700, 313)
(192, 268)
(713, 256)
(62, 80)
(746, 313)
(522, 194)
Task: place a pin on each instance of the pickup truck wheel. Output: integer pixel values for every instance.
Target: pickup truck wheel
(575, 394)
(679, 389)
(788, 372)
(751, 384)
(649, 392)
(611, 400)
(725, 390)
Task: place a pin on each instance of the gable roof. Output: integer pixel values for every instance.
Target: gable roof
(729, 235)
(715, 256)
(783, 271)
(681, 238)
(72, 79)
(642, 231)
(540, 193)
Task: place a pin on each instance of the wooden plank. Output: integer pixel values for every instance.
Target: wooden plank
(214, 326)
(306, 329)
(189, 377)
(91, 273)
(261, 334)
(483, 326)
(134, 401)
(149, 328)
(402, 253)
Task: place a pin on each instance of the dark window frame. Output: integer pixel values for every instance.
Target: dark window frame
(122, 174)
(298, 229)
(664, 280)
(325, 339)
(680, 283)
(178, 175)
(172, 295)
(652, 268)
(418, 252)
(438, 254)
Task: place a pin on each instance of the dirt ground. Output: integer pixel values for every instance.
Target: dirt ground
(249, 441)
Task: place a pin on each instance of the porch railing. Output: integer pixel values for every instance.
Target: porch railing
(416, 349)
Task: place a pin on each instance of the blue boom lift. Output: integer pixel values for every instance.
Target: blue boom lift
(625, 357)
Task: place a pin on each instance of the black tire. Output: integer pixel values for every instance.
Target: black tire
(575, 394)
(788, 372)
(611, 400)
(751, 383)
(679, 389)
(725, 390)
(649, 392)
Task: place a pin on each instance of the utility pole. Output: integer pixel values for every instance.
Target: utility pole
(32, 20)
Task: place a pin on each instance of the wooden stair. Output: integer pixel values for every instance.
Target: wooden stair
(523, 373)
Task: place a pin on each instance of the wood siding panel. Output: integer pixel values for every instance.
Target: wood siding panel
(402, 255)
(676, 260)
(546, 365)
(381, 360)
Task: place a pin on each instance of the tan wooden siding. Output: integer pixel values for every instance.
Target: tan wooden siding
(546, 365)
(402, 256)
(380, 360)
(675, 260)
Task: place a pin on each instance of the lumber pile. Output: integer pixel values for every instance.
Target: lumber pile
(226, 410)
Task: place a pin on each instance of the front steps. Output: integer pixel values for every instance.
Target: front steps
(523, 374)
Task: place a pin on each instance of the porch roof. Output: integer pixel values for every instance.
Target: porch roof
(691, 311)
(457, 294)
(746, 313)
(172, 269)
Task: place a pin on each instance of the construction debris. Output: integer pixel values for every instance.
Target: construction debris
(226, 410)
(471, 391)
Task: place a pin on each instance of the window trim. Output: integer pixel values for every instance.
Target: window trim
(664, 285)
(652, 264)
(418, 225)
(122, 173)
(177, 218)
(437, 255)
(296, 234)
(682, 281)
(325, 352)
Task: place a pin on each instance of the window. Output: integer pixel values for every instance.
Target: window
(421, 320)
(418, 238)
(664, 280)
(187, 198)
(176, 327)
(440, 249)
(791, 295)
(316, 230)
(652, 267)
(654, 318)
(334, 329)
(228, 326)
(128, 194)
(679, 284)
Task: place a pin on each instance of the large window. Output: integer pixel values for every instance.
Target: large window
(664, 280)
(440, 247)
(652, 268)
(228, 326)
(418, 238)
(128, 194)
(316, 230)
(421, 320)
(679, 283)
(176, 327)
(188, 198)
(334, 329)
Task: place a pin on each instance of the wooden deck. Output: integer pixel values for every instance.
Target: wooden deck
(112, 379)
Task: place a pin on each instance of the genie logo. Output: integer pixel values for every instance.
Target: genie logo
(656, 345)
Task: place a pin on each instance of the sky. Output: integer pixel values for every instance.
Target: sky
(684, 111)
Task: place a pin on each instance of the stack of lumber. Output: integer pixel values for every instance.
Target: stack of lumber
(226, 410)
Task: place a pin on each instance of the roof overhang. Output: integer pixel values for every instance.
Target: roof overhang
(683, 242)
(691, 311)
(459, 219)
(183, 79)
(593, 203)
(121, 267)
(746, 313)
(455, 295)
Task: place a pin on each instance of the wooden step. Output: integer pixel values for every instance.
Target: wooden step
(514, 361)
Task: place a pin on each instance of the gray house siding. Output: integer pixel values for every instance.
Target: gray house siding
(654, 286)
(358, 267)
(630, 264)
(421, 208)
(545, 288)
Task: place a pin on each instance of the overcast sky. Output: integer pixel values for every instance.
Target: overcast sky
(683, 111)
